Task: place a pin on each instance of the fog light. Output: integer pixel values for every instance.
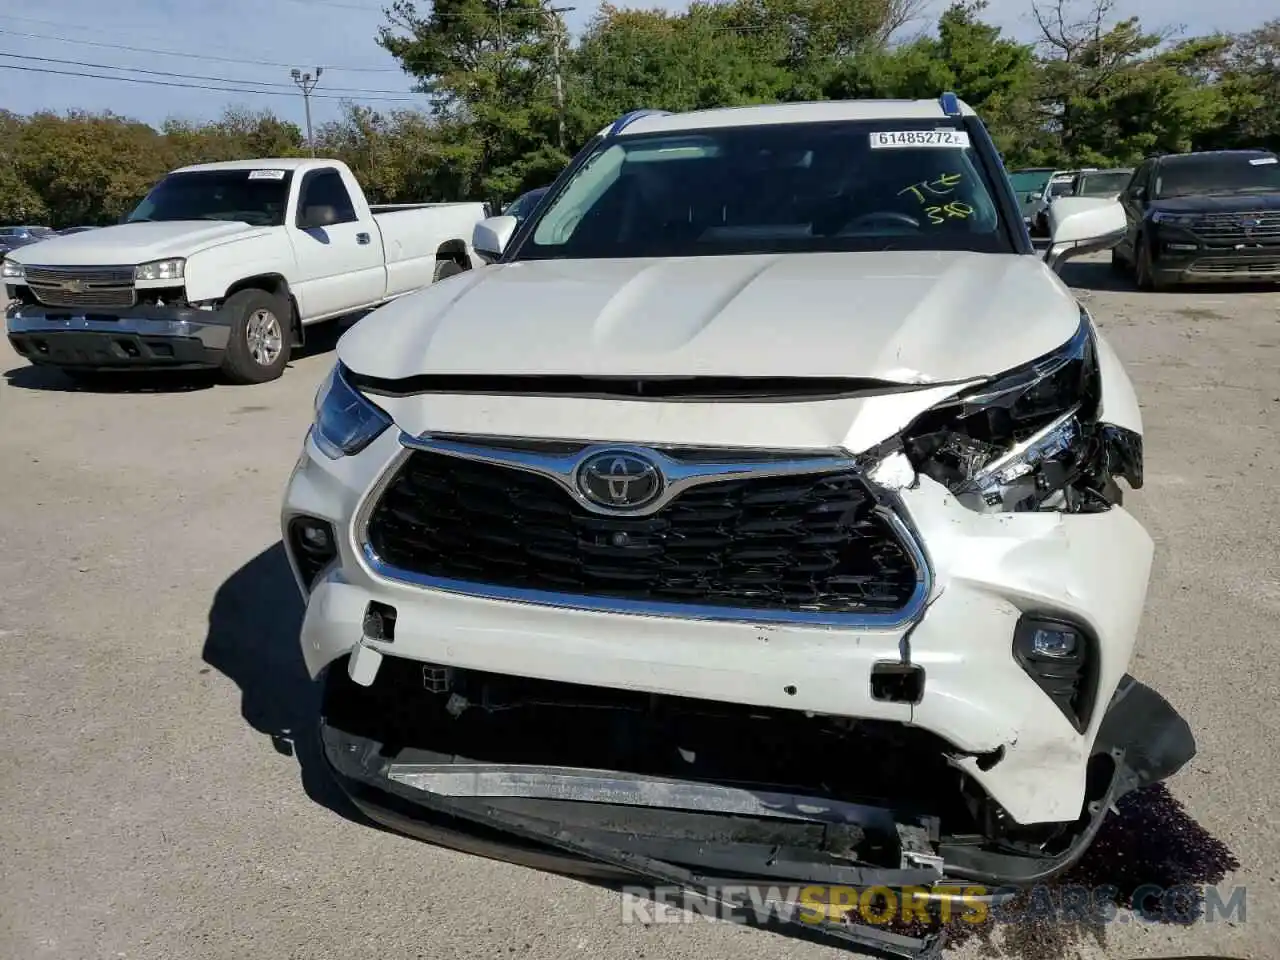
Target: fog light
(1059, 656)
(1050, 642)
(312, 545)
(314, 536)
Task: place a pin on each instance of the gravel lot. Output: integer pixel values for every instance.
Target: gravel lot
(172, 803)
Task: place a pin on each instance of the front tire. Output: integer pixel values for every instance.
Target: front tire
(259, 345)
(1143, 271)
(446, 269)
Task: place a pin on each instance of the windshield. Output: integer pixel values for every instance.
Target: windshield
(1029, 181)
(870, 185)
(257, 197)
(1218, 173)
(1103, 184)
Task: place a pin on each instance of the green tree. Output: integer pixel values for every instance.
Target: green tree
(1115, 95)
(487, 66)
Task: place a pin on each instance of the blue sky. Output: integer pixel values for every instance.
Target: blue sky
(255, 42)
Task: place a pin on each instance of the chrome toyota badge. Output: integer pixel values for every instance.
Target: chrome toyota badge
(619, 480)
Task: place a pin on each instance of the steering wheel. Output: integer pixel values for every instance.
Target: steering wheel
(884, 216)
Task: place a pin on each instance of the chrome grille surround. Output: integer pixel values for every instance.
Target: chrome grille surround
(685, 469)
(110, 287)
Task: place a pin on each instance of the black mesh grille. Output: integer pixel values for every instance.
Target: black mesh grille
(798, 543)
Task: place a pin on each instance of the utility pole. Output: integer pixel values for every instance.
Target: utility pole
(557, 26)
(306, 83)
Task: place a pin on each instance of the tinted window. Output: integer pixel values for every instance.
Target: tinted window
(1218, 173)
(524, 204)
(774, 189)
(325, 198)
(256, 197)
(1061, 189)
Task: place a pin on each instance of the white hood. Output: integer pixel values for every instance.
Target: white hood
(902, 316)
(132, 243)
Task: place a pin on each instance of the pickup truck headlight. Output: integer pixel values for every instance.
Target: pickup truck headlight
(171, 269)
(1029, 438)
(9, 270)
(346, 422)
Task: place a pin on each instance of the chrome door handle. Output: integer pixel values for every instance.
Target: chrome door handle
(362, 238)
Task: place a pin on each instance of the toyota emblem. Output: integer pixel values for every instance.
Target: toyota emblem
(619, 480)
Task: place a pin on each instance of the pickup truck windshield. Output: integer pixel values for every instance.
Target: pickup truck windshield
(257, 197)
(842, 186)
(1221, 173)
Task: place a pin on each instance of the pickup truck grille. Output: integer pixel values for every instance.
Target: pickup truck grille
(1262, 227)
(103, 287)
(800, 543)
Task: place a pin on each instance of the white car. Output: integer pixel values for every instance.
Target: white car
(225, 265)
(767, 452)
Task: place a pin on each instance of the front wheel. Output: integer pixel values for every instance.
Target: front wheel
(1143, 270)
(258, 347)
(445, 269)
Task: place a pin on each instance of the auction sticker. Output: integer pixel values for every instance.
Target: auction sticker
(889, 139)
(266, 174)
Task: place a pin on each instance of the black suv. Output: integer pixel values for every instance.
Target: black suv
(1201, 217)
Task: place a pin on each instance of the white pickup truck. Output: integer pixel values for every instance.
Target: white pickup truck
(224, 265)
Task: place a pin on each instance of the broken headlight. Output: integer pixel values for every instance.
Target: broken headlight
(1027, 439)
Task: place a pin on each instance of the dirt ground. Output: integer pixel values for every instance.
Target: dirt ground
(170, 801)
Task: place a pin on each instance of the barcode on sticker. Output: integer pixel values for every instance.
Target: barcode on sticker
(886, 139)
(266, 174)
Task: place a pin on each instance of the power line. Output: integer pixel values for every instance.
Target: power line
(187, 56)
(195, 86)
(186, 76)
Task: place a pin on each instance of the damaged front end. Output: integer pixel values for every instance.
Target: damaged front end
(633, 788)
(970, 730)
(1030, 439)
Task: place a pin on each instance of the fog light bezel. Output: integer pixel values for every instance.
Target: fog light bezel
(1046, 669)
(308, 561)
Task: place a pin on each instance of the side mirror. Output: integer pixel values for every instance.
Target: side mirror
(492, 235)
(1083, 225)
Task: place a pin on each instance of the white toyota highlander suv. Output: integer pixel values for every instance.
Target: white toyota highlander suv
(755, 513)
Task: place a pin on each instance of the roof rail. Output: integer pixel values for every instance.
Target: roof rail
(950, 104)
(627, 119)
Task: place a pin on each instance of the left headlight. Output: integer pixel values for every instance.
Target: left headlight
(346, 421)
(1174, 219)
(10, 270)
(171, 269)
(1025, 440)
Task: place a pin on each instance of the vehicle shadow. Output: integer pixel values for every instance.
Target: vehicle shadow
(52, 379)
(252, 639)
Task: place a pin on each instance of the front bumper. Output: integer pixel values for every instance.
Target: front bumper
(1179, 256)
(142, 337)
(987, 572)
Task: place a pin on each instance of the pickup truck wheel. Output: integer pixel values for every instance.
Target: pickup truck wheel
(446, 268)
(258, 348)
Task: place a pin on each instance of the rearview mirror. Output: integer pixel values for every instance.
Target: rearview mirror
(491, 236)
(1082, 225)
